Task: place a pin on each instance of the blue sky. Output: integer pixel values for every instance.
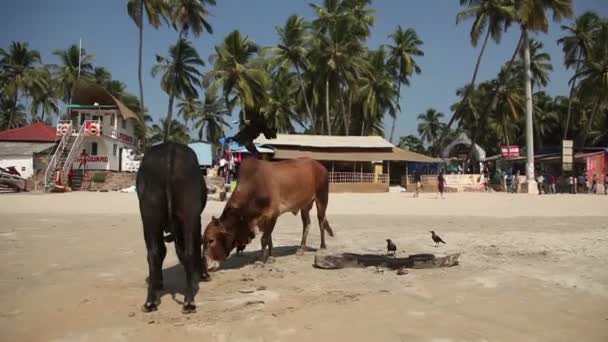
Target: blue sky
(109, 34)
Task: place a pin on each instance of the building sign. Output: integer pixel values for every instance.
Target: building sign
(567, 156)
(125, 138)
(511, 151)
(95, 159)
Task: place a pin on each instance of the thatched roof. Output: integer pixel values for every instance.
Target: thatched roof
(87, 93)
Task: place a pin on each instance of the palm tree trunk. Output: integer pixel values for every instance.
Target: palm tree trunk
(349, 108)
(139, 66)
(584, 134)
(578, 64)
(491, 105)
(529, 112)
(472, 84)
(327, 105)
(396, 114)
(42, 116)
(308, 111)
(14, 111)
(169, 118)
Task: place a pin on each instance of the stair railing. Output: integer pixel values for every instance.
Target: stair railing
(73, 152)
(58, 151)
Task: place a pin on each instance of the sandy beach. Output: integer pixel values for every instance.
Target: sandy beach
(533, 268)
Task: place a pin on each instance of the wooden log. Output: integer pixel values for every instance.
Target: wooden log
(344, 260)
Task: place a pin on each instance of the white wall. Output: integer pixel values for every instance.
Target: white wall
(19, 162)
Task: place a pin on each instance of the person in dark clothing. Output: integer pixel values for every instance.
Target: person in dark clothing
(441, 184)
(418, 182)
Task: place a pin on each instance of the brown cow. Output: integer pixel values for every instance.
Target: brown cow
(265, 191)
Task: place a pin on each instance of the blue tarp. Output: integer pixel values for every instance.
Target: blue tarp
(203, 152)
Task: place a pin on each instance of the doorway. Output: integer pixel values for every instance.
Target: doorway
(120, 159)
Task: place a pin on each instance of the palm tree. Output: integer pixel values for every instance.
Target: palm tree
(429, 125)
(211, 117)
(493, 16)
(576, 47)
(540, 64)
(17, 64)
(532, 15)
(156, 11)
(411, 143)
(101, 76)
(180, 75)
(377, 91)
(162, 132)
(281, 104)
(190, 15)
(406, 45)
(593, 73)
(293, 49)
(545, 118)
(44, 95)
(234, 73)
(67, 72)
(189, 108)
(12, 115)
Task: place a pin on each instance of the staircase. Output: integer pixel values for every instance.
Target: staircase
(65, 155)
(77, 179)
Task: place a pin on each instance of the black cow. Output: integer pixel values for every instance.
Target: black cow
(172, 195)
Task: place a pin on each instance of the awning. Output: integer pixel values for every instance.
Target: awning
(396, 155)
(87, 93)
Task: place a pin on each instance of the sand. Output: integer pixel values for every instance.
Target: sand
(533, 268)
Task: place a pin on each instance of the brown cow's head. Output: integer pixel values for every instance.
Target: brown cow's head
(222, 235)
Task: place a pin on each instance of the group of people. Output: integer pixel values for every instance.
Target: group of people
(441, 183)
(572, 184)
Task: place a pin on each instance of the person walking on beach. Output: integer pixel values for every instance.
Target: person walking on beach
(441, 184)
(571, 184)
(594, 184)
(516, 182)
(582, 183)
(83, 159)
(552, 184)
(539, 183)
(418, 182)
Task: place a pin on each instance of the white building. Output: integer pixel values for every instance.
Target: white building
(27, 148)
(100, 125)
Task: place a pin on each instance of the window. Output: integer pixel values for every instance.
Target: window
(114, 149)
(124, 124)
(112, 120)
(93, 148)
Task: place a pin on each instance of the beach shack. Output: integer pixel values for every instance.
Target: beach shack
(355, 163)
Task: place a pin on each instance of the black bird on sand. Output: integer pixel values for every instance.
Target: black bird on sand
(436, 238)
(391, 248)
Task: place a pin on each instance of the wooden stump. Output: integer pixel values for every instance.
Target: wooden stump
(344, 260)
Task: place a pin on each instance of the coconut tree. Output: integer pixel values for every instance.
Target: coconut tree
(545, 119)
(68, 71)
(190, 16)
(577, 43)
(163, 132)
(491, 16)
(532, 16)
(17, 65)
(406, 45)
(429, 125)
(377, 91)
(293, 50)
(188, 108)
(210, 119)
(281, 103)
(44, 94)
(234, 73)
(540, 64)
(593, 75)
(180, 75)
(101, 76)
(411, 143)
(12, 115)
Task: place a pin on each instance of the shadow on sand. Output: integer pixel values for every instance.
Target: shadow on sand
(174, 276)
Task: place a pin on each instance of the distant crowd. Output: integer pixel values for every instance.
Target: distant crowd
(552, 184)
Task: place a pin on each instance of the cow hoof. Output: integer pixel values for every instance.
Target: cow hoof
(300, 252)
(205, 277)
(323, 247)
(270, 260)
(188, 308)
(149, 307)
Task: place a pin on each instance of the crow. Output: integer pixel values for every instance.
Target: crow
(390, 247)
(436, 238)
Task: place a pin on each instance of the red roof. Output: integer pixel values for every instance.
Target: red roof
(35, 132)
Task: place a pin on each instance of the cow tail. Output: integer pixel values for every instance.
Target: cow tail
(169, 191)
